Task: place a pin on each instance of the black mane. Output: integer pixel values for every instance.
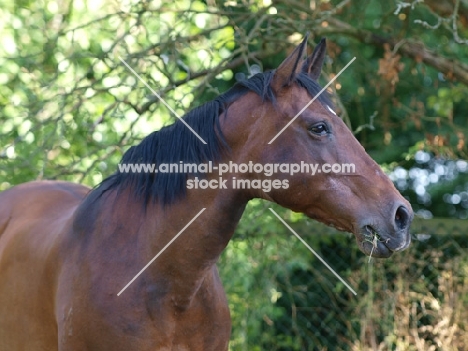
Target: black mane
(176, 142)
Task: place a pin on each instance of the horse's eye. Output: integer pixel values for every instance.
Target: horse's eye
(319, 129)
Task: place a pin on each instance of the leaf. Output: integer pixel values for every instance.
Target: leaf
(390, 66)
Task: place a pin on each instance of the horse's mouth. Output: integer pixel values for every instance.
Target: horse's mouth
(376, 244)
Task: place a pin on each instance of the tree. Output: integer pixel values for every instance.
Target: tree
(70, 107)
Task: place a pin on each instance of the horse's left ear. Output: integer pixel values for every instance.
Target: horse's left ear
(313, 65)
(284, 74)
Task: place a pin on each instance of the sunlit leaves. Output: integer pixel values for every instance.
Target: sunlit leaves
(443, 102)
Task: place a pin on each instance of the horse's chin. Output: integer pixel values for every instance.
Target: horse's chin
(377, 249)
(374, 249)
(369, 241)
(380, 244)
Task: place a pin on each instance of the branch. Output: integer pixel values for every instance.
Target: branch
(239, 61)
(408, 48)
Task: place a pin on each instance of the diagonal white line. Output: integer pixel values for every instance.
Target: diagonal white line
(162, 100)
(313, 251)
(162, 250)
(311, 101)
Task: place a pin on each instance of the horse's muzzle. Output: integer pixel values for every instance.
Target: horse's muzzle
(378, 238)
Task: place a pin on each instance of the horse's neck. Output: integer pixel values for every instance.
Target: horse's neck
(189, 260)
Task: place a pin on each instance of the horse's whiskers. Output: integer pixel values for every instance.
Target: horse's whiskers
(373, 238)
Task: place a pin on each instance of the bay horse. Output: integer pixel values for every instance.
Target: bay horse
(66, 251)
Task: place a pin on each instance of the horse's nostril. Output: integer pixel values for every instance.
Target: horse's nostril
(402, 218)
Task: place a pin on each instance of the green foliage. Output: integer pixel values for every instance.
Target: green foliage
(415, 300)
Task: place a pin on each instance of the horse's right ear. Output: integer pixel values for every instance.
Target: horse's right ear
(313, 65)
(285, 73)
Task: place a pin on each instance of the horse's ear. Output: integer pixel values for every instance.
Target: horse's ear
(313, 65)
(284, 74)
